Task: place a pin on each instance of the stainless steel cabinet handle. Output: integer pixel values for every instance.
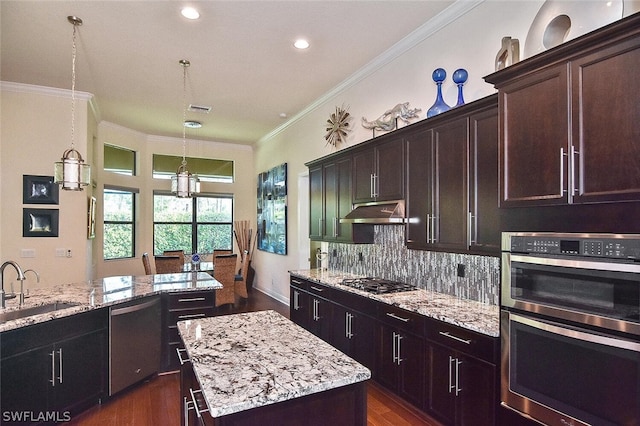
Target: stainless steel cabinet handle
(296, 300)
(316, 313)
(317, 288)
(450, 374)
(181, 317)
(428, 226)
(60, 365)
(399, 338)
(195, 299)
(348, 325)
(458, 389)
(195, 403)
(375, 185)
(371, 190)
(320, 226)
(562, 155)
(53, 368)
(335, 227)
(392, 315)
(456, 338)
(182, 361)
(470, 230)
(187, 405)
(395, 348)
(434, 228)
(572, 170)
(296, 282)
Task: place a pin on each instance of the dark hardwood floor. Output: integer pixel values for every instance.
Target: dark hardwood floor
(156, 402)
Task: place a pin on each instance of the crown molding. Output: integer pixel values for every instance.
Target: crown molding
(441, 20)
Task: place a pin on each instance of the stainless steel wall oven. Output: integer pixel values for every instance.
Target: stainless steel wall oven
(570, 327)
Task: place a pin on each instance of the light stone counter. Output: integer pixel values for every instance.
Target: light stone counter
(469, 314)
(102, 292)
(250, 360)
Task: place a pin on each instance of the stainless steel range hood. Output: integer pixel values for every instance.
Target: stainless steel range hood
(384, 212)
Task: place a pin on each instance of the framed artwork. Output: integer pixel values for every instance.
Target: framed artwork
(272, 210)
(39, 190)
(91, 219)
(39, 222)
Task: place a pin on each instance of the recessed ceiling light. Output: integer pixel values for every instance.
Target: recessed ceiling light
(190, 13)
(301, 43)
(192, 124)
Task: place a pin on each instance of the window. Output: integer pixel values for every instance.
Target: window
(207, 169)
(119, 160)
(119, 223)
(194, 225)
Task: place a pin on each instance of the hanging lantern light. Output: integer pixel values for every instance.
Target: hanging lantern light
(184, 184)
(71, 172)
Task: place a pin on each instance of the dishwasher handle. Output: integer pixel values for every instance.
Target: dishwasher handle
(134, 308)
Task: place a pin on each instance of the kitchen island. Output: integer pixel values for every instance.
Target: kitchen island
(262, 368)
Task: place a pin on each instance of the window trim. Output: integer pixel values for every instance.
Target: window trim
(134, 192)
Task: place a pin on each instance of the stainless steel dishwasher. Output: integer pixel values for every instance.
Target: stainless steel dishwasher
(134, 342)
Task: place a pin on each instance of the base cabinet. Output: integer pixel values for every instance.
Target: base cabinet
(54, 370)
(353, 333)
(460, 388)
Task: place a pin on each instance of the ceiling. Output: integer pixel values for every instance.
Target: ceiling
(243, 63)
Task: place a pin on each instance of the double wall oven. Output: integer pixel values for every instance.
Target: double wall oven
(570, 327)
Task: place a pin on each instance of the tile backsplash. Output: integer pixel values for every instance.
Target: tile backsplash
(388, 258)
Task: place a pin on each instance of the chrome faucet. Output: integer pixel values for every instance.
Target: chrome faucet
(20, 277)
(22, 295)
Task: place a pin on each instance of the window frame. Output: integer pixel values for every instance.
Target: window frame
(105, 222)
(194, 218)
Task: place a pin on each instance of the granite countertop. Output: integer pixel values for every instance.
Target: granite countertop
(249, 360)
(85, 296)
(469, 314)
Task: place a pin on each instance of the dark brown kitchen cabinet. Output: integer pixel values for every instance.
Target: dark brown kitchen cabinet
(353, 330)
(378, 171)
(299, 302)
(569, 130)
(310, 307)
(452, 169)
(461, 388)
(316, 203)
(463, 379)
(337, 202)
(180, 306)
(400, 362)
(59, 366)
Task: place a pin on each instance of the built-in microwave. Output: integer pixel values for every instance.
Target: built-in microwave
(570, 327)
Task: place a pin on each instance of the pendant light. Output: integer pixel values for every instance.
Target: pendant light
(71, 172)
(184, 184)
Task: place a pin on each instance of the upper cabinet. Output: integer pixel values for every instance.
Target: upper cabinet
(452, 179)
(378, 171)
(569, 129)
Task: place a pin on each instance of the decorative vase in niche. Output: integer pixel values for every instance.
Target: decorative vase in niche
(439, 105)
(459, 78)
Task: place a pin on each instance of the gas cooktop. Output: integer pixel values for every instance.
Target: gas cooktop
(377, 285)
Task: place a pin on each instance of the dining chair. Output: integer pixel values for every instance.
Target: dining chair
(218, 252)
(224, 271)
(146, 264)
(179, 253)
(168, 264)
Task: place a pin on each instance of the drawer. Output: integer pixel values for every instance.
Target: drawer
(320, 290)
(191, 299)
(401, 318)
(464, 340)
(355, 302)
(187, 314)
(300, 283)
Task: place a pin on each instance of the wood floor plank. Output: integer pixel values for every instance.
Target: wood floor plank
(156, 402)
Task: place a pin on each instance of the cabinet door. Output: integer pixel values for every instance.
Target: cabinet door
(387, 369)
(364, 165)
(299, 307)
(315, 203)
(81, 362)
(419, 199)
(534, 139)
(411, 369)
(26, 381)
(483, 194)
(451, 185)
(330, 214)
(364, 333)
(605, 132)
(321, 317)
(389, 179)
(477, 402)
(344, 205)
(442, 401)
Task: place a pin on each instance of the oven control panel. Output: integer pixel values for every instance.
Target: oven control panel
(600, 245)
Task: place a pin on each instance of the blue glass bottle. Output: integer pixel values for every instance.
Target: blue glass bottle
(439, 105)
(459, 78)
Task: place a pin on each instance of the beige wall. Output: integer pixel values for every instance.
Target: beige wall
(35, 131)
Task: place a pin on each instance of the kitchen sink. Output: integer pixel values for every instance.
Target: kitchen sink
(34, 310)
